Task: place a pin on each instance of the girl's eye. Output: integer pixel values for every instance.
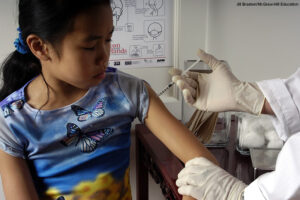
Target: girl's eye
(108, 40)
(89, 48)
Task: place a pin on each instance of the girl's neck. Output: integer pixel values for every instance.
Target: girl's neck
(53, 95)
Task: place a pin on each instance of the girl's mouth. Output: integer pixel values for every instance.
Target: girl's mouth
(100, 75)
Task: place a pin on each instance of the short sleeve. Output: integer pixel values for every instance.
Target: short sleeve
(8, 142)
(137, 94)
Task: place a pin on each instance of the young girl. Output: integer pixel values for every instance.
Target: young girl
(66, 116)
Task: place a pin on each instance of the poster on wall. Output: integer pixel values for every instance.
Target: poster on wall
(143, 33)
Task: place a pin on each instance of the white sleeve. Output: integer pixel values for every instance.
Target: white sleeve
(284, 182)
(284, 99)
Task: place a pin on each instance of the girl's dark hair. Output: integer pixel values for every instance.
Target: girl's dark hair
(51, 20)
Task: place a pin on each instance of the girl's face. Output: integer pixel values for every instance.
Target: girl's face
(85, 51)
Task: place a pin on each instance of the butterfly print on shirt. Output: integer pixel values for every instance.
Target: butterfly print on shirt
(85, 141)
(97, 111)
(9, 108)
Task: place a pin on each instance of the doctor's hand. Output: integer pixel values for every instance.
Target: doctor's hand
(220, 90)
(203, 180)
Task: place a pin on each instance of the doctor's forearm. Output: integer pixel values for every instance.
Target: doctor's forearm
(267, 108)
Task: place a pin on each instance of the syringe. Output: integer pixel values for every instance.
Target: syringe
(183, 73)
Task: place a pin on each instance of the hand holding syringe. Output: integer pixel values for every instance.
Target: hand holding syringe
(183, 73)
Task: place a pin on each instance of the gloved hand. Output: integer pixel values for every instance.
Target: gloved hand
(204, 180)
(220, 90)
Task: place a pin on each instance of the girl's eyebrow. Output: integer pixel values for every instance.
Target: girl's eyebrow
(96, 37)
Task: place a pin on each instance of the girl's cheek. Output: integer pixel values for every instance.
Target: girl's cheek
(84, 60)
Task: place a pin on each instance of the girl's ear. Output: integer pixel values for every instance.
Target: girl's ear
(38, 47)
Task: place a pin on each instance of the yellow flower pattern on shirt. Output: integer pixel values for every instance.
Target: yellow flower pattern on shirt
(104, 187)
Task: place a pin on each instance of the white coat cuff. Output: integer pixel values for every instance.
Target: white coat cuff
(252, 192)
(282, 105)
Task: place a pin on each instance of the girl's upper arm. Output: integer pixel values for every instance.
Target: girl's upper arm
(16, 179)
(172, 132)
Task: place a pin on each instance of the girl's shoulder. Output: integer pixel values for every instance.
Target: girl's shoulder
(16, 95)
(123, 79)
(111, 71)
(12, 102)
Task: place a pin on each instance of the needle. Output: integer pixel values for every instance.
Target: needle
(183, 73)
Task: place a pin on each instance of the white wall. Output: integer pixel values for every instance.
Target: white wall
(259, 42)
(8, 26)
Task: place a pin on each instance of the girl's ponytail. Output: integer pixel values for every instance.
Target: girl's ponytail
(17, 70)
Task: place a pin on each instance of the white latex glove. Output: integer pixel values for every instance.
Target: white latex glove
(220, 90)
(204, 180)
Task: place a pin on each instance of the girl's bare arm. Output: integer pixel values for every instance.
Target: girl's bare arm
(173, 133)
(267, 108)
(16, 179)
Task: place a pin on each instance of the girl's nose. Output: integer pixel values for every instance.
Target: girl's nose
(103, 56)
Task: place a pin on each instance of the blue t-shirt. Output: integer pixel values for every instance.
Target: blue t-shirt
(82, 150)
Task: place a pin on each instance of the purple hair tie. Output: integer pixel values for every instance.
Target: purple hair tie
(20, 45)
